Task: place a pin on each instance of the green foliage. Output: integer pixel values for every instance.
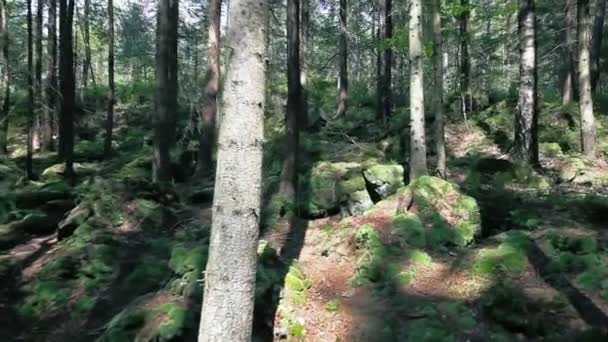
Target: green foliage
(409, 227)
(296, 284)
(419, 256)
(174, 321)
(43, 295)
(332, 306)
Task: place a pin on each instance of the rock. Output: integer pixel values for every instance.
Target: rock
(57, 170)
(34, 199)
(384, 179)
(454, 217)
(37, 224)
(580, 171)
(75, 218)
(356, 203)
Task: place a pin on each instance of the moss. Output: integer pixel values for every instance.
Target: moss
(455, 218)
(410, 227)
(43, 296)
(296, 284)
(551, 149)
(509, 257)
(149, 272)
(419, 256)
(332, 306)
(174, 321)
(184, 259)
(384, 179)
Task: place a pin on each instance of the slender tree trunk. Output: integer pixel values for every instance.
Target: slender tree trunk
(388, 60)
(30, 94)
(4, 77)
(304, 42)
(111, 95)
(166, 88)
(465, 62)
(379, 78)
(596, 43)
(526, 121)
(588, 135)
(438, 88)
(343, 77)
(418, 166)
(51, 75)
(568, 77)
(210, 92)
(86, 65)
(42, 123)
(227, 312)
(66, 85)
(289, 174)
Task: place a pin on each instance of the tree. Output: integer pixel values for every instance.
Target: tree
(4, 77)
(568, 77)
(417, 134)
(210, 92)
(388, 59)
(66, 85)
(343, 77)
(166, 87)
(596, 44)
(588, 134)
(230, 275)
(526, 120)
(438, 88)
(465, 62)
(111, 94)
(43, 130)
(86, 65)
(379, 79)
(30, 94)
(289, 174)
(51, 74)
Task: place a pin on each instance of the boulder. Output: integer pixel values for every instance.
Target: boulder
(75, 218)
(384, 179)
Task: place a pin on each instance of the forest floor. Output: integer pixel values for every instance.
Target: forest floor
(126, 263)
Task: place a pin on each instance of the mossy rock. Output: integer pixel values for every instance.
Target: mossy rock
(442, 205)
(581, 171)
(410, 227)
(384, 179)
(57, 171)
(551, 150)
(332, 186)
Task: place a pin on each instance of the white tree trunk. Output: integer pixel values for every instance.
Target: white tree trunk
(584, 79)
(228, 302)
(438, 85)
(417, 134)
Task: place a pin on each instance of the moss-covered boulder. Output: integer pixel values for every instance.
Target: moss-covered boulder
(384, 179)
(551, 150)
(57, 171)
(330, 187)
(452, 216)
(581, 171)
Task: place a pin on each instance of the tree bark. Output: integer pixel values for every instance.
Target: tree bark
(51, 74)
(588, 134)
(30, 94)
(212, 83)
(166, 88)
(111, 94)
(5, 90)
(289, 174)
(379, 70)
(43, 126)
(86, 65)
(343, 77)
(66, 85)
(568, 78)
(465, 62)
(526, 121)
(596, 44)
(418, 166)
(438, 88)
(388, 60)
(230, 276)
(304, 47)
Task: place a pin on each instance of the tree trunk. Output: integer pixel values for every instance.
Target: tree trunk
(438, 88)
(568, 78)
(417, 134)
(289, 174)
(51, 74)
(343, 77)
(230, 276)
(304, 42)
(379, 78)
(588, 135)
(166, 88)
(66, 85)
(596, 44)
(110, 118)
(4, 77)
(526, 121)
(30, 94)
(212, 84)
(43, 131)
(86, 65)
(388, 60)
(465, 62)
